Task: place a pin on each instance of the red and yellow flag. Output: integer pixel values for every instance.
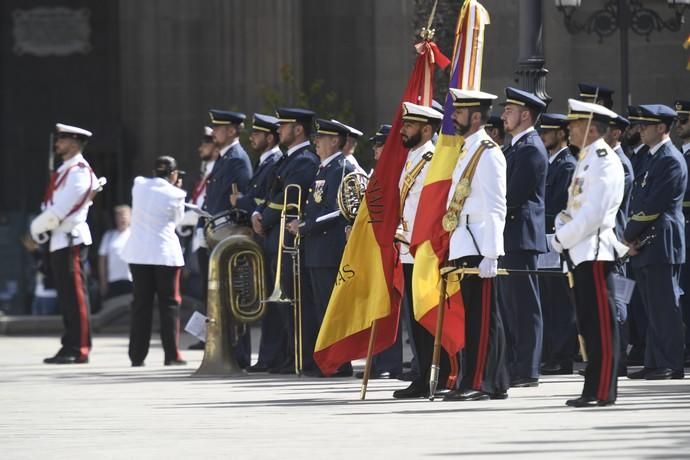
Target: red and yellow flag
(430, 241)
(369, 284)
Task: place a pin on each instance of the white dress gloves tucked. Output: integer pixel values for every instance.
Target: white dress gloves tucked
(488, 268)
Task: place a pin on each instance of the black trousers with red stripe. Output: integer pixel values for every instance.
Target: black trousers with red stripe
(73, 299)
(596, 319)
(484, 357)
(155, 281)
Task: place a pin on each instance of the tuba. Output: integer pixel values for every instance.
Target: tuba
(235, 290)
(351, 193)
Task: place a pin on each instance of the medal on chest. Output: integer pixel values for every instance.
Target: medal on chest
(319, 186)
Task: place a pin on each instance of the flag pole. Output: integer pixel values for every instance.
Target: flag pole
(436, 358)
(370, 357)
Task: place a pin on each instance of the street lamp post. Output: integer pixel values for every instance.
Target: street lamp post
(531, 72)
(622, 16)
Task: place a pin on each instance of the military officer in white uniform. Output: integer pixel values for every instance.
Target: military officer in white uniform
(585, 234)
(419, 125)
(475, 219)
(154, 255)
(65, 208)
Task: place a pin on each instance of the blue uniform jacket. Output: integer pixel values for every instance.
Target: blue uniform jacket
(657, 209)
(639, 161)
(558, 177)
(526, 163)
(324, 242)
(299, 168)
(258, 185)
(686, 205)
(232, 168)
(622, 215)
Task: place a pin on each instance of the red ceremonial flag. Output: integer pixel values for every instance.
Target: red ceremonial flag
(369, 284)
(430, 242)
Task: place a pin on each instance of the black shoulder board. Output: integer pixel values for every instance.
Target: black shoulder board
(602, 152)
(428, 155)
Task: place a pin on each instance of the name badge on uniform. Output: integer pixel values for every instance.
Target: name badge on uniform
(318, 190)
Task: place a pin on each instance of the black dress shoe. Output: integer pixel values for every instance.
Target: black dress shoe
(659, 374)
(258, 367)
(415, 390)
(581, 372)
(524, 382)
(678, 375)
(197, 346)
(314, 373)
(175, 362)
(639, 375)
(66, 359)
(556, 369)
(588, 401)
(499, 395)
(137, 363)
(466, 395)
(374, 375)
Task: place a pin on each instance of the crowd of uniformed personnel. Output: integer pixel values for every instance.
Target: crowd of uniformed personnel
(594, 193)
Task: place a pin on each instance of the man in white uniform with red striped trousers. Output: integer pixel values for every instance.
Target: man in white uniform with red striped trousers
(585, 235)
(65, 208)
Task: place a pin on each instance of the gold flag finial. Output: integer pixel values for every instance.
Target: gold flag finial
(427, 33)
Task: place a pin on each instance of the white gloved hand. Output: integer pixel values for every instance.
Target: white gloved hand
(556, 245)
(42, 224)
(488, 268)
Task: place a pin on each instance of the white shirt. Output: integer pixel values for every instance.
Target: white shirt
(520, 135)
(553, 157)
(78, 182)
(353, 161)
(329, 159)
(275, 151)
(157, 206)
(112, 244)
(412, 200)
(637, 149)
(225, 149)
(484, 211)
(295, 148)
(595, 194)
(653, 150)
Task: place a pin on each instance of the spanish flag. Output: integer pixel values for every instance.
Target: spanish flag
(370, 284)
(430, 241)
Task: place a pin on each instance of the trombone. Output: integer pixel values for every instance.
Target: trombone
(290, 212)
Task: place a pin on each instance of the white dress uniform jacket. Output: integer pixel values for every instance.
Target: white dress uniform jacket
(157, 207)
(79, 182)
(484, 211)
(412, 200)
(586, 227)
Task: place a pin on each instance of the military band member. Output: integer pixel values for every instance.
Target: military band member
(657, 213)
(297, 167)
(65, 208)
(324, 242)
(586, 230)
(264, 141)
(560, 331)
(683, 133)
(524, 236)
(475, 219)
(419, 125)
(351, 145)
(154, 255)
(232, 169)
(208, 154)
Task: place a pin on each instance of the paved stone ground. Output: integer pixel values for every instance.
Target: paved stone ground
(107, 409)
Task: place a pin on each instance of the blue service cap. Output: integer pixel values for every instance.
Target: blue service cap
(381, 134)
(265, 123)
(553, 121)
(294, 115)
(620, 122)
(225, 117)
(523, 98)
(331, 128)
(598, 94)
(654, 114)
(682, 107)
